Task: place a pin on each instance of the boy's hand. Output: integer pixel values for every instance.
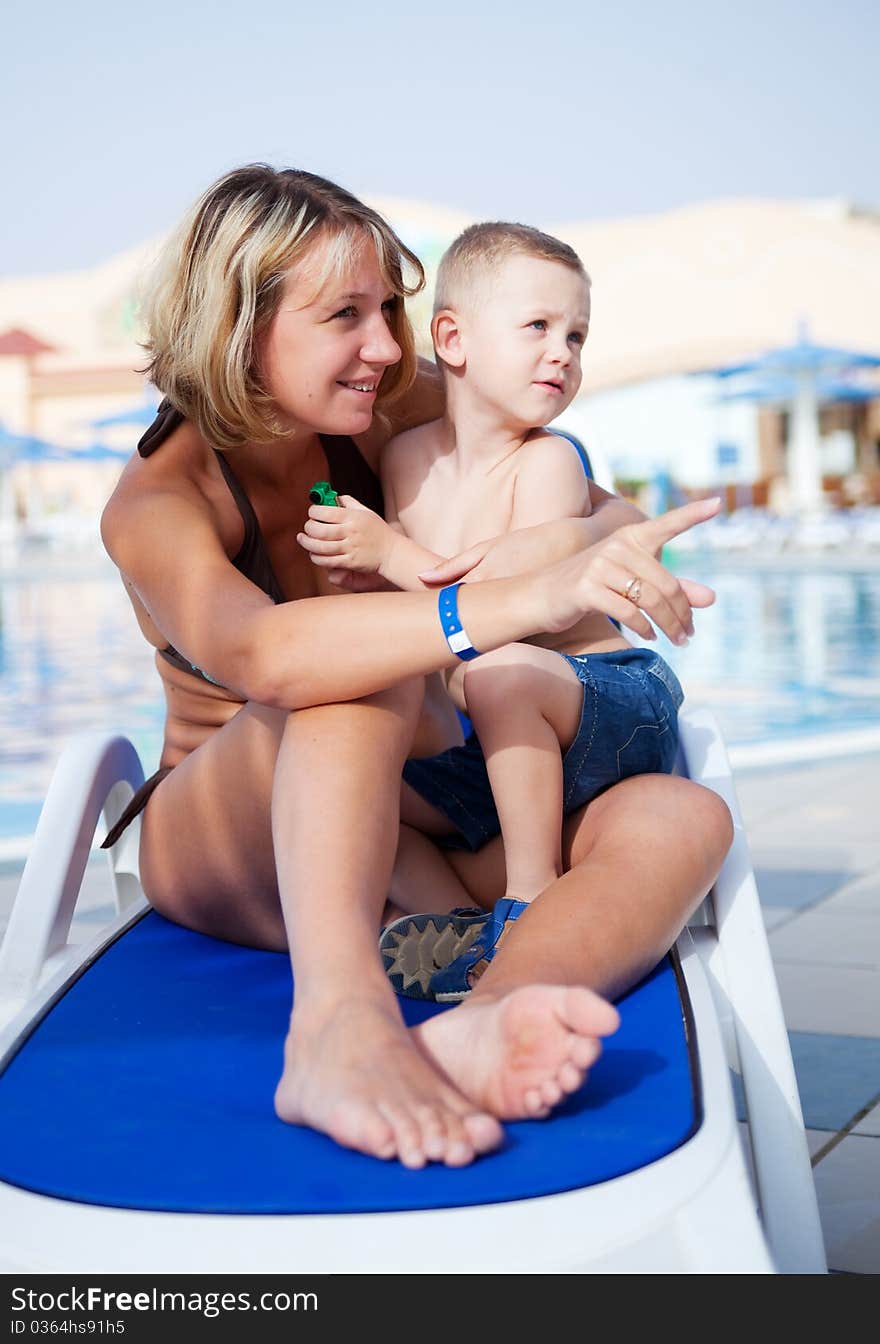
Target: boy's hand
(347, 537)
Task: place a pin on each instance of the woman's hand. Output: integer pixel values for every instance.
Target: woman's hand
(351, 537)
(621, 578)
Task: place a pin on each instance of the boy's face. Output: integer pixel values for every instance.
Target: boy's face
(522, 335)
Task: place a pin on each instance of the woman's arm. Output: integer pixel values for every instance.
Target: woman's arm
(531, 548)
(364, 643)
(550, 488)
(323, 650)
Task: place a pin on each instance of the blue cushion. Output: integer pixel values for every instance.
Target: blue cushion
(149, 1085)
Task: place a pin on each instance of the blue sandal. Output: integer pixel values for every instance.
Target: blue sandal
(432, 957)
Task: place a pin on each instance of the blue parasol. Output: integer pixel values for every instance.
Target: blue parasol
(781, 390)
(143, 413)
(803, 356)
(803, 375)
(25, 448)
(97, 452)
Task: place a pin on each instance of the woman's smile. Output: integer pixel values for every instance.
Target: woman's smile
(363, 387)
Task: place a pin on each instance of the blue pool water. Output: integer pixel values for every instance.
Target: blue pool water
(782, 655)
(785, 653)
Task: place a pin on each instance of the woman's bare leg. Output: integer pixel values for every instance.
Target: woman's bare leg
(642, 857)
(516, 1046)
(351, 1069)
(373, 1097)
(422, 880)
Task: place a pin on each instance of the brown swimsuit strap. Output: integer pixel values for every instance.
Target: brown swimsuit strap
(350, 474)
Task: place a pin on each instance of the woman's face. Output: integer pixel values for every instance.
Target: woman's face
(325, 352)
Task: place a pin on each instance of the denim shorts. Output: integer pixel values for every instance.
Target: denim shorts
(629, 726)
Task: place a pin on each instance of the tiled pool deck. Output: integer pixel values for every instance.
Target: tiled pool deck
(815, 842)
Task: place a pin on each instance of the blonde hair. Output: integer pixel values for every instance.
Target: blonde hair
(481, 248)
(220, 279)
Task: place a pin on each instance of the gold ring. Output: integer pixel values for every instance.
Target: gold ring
(633, 590)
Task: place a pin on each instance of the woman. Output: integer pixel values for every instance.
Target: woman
(278, 334)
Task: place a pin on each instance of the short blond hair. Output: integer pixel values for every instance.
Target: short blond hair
(220, 279)
(481, 248)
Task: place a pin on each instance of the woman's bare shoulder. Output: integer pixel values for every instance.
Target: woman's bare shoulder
(179, 472)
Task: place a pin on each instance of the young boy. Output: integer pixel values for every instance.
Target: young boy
(557, 719)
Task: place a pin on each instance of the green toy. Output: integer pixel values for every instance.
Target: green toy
(322, 492)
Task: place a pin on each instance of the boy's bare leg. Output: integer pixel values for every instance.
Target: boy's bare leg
(525, 704)
(642, 856)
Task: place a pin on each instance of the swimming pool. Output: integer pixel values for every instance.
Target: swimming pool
(785, 657)
(785, 654)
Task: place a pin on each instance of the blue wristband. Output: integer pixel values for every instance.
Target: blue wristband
(457, 637)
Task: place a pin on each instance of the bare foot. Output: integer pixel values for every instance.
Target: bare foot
(355, 1073)
(518, 1056)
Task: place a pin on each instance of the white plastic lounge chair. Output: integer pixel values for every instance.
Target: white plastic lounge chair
(136, 1125)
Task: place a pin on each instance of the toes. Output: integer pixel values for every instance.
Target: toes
(445, 1137)
(583, 1052)
(407, 1137)
(436, 1133)
(484, 1132)
(534, 1103)
(433, 1132)
(387, 1151)
(364, 1129)
(410, 1154)
(459, 1149)
(550, 1091)
(570, 1077)
(541, 1040)
(588, 1014)
(459, 1152)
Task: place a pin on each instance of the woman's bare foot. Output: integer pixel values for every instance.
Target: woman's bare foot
(354, 1072)
(518, 1056)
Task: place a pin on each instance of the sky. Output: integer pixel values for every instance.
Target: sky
(116, 117)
